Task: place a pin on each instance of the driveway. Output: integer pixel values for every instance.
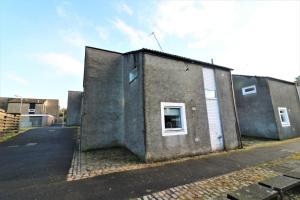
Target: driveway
(38, 171)
(35, 158)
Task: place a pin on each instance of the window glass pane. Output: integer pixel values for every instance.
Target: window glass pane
(249, 89)
(172, 118)
(282, 118)
(132, 74)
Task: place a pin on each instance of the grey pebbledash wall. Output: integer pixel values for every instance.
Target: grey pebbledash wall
(134, 133)
(167, 80)
(255, 111)
(227, 109)
(117, 112)
(285, 95)
(103, 101)
(74, 108)
(258, 113)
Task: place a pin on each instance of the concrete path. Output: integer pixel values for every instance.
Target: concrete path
(38, 171)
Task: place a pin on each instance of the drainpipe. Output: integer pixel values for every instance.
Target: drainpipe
(236, 114)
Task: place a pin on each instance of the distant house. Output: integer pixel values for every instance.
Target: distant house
(157, 105)
(34, 112)
(267, 107)
(74, 108)
(298, 86)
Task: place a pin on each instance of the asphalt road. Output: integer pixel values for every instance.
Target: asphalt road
(34, 165)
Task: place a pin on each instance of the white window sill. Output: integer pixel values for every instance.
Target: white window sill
(173, 132)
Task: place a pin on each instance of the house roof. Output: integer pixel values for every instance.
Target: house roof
(167, 55)
(176, 57)
(267, 77)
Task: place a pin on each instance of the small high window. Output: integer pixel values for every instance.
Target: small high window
(284, 117)
(173, 119)
(133, 74)
(249, 90)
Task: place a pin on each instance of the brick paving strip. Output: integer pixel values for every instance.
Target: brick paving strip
(216, 186)
(221, 185)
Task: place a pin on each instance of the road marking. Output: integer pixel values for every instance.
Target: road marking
(51, 130)
(31, 144)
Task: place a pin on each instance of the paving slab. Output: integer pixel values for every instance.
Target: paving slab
(280, 183)
(253, 192)
(280, 169)
(293, 174)
(292, 164)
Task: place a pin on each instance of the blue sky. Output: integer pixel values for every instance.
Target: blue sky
(42, 42)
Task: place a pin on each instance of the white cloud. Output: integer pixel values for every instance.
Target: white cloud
(74, 38)
(137, 38)
(17, 78)
(202, 22)
(123, 7)
(259, 37)
(62, 63)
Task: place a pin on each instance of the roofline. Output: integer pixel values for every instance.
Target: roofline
(163, 54)
(74, 91)
(267, 77)
(176, 57)
(102, 49)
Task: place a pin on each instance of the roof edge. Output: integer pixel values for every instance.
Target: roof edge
(176, 57)
(267, 77)
(102, 49)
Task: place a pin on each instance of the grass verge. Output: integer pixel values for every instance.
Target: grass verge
(12, 134)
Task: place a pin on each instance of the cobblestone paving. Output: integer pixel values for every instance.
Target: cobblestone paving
(221, 185)
(94, 163)
(100, 162)
(214, 187)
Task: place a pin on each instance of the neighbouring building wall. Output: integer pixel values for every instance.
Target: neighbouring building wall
(255, 111)
(74, 108)
(51, 107)
(103, 102)
(134, 133)
(15, 108)
(168, 80)
(227, 110)
(298, 90)
(285, 95)
(4, 103)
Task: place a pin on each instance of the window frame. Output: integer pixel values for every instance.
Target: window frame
(173, 131)
(133, 74)
(284, 124)
(250, 92)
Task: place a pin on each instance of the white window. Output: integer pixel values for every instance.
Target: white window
(173, 119)
(133, 74)
(249, 90)
(284, 117)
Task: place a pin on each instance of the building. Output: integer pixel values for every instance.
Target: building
(34, 112)
(267, 107)
(74, 108)
(298, 85)
(157, 105)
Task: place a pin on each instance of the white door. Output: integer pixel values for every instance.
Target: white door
(213, 111)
